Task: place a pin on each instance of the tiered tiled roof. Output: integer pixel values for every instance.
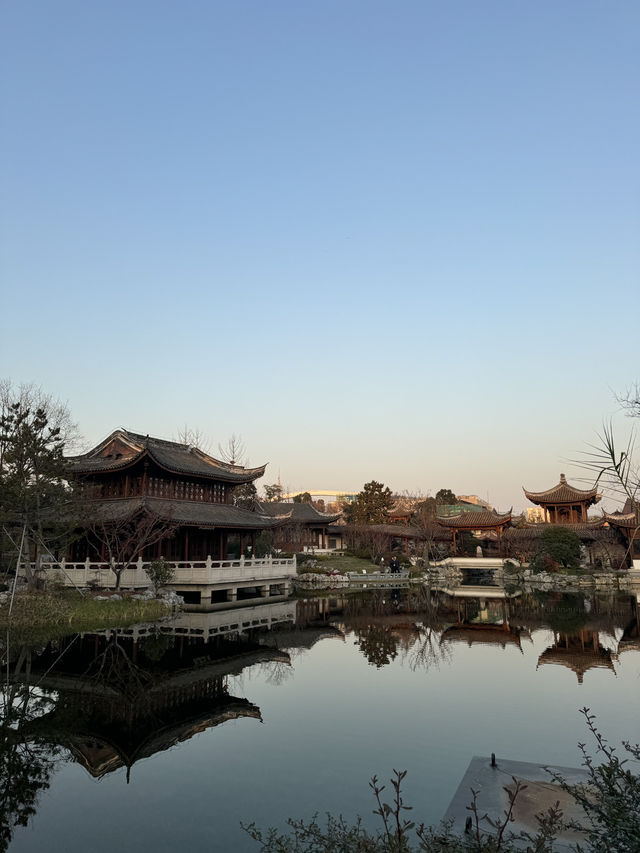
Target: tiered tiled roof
(297, 513)
(191, 513)
(122, 449)
(577, 659)
(485, 520)
(487, 634)
(563, 493)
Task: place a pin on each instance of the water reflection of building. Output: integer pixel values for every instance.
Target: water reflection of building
(120, 696)
(579, 652)
(111, 712)
(483, 617)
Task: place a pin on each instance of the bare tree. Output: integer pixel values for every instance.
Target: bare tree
(234, 451)
(370, 538)
(194, 437)
(123, 539)
(630, 401)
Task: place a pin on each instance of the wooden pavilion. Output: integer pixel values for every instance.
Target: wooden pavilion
(299, 526)
(563, 503)
(486, 522)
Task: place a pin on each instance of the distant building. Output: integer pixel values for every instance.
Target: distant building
(536, 515)
(474, 500)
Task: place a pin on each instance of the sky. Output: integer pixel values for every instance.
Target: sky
(392, 241)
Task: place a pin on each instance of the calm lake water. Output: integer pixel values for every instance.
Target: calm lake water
(167, 737)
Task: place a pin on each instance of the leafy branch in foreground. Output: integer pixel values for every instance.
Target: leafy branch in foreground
(484, 835)
(610, 801)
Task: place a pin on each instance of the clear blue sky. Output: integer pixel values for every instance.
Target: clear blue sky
(379, 240)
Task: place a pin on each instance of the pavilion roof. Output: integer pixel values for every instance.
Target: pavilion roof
(624, 520)
(485, 634)
(400, 510)
(587, 531)
(563, 493)
(123, 448)
(476, 520)
(299, 513)
(578, 660)
(190, 513)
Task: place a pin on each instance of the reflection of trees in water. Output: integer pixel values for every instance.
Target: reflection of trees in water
(26, 764)
(377, 644)
(393, 622)
(276, 672)
(428, 651)
(115, 667)
(569, 615)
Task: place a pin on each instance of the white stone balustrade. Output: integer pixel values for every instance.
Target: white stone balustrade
(191, 572)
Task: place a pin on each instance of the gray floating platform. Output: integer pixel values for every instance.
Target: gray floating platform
(541, 793)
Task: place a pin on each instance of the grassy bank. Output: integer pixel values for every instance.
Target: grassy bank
(44, 614)
(339, 562)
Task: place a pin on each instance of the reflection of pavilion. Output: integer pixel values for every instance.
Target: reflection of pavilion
(483, 617)
(579, 652)
(206, 625)
(124, 713)
(125, 694)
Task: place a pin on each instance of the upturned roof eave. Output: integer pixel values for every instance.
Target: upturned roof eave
(92, 463)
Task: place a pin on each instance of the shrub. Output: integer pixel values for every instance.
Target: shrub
(160, 573)
(557, 547)
(611, 800)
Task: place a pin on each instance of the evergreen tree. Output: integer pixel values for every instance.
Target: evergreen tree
(370, 505)
(33, 491)
(245, 496)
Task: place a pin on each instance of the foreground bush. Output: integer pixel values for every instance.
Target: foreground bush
(610, 800)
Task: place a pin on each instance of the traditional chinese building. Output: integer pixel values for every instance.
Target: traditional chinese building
(176, 483)
(627, 524)
(563, 503)
(300, 526)
(485, 525)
